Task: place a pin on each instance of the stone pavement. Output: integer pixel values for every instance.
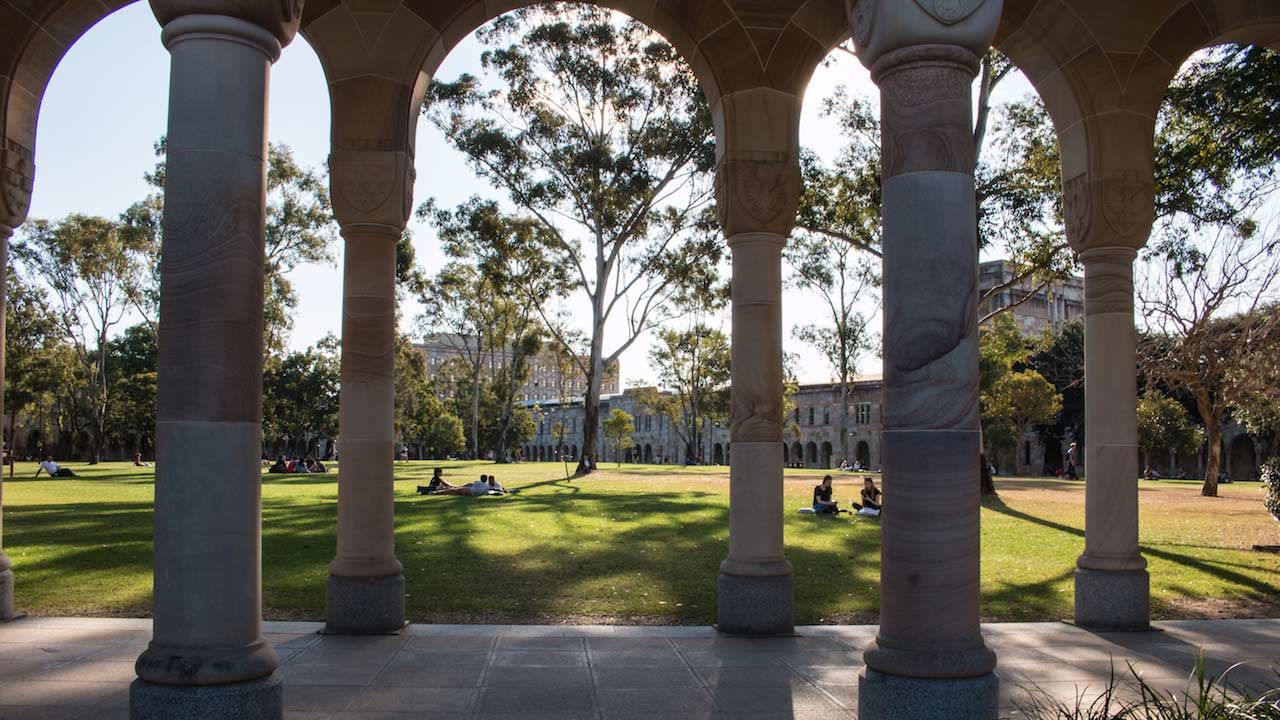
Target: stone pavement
(54, 668)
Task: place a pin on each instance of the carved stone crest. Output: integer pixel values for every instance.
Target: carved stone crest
(1077, 207)
(366, 185)
(949, 12)
(861, 18)
(758, 191)
(1128, 201)
(18, 181)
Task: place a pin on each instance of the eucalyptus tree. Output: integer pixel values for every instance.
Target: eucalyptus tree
(593, 125)
(694, 365)
(89, 267)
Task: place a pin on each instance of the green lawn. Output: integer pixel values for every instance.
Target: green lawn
(637, 544)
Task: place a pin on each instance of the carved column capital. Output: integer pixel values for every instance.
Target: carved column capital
(372, 187)
(18, 165)
(1109, 208)
(882, 26)
(926, 109)
(758, 172)
(281, 18)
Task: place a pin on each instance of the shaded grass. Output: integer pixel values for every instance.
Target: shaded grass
(635, 544)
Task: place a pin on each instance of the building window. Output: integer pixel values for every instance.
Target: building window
(862, 414)
(811, 416)
(797, 414)
(826, 416)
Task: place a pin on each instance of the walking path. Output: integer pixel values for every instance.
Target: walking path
(55, 668)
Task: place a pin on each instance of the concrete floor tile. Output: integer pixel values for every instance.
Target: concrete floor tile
(538, 658)
(450, 643)
(516, 642)
(401, 675)
(468, 659)
(798, 698)
(18, 712)
(613, 644)
(639, 658)
(746, 676)
(670, 700)
(543, 677)
(318, 698)
(828, 674)
(650, 677)
(92, 671)
(392, 699)
(332, 673)
(535, 700)
(734, 658)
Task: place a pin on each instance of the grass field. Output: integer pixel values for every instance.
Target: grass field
(636, 544)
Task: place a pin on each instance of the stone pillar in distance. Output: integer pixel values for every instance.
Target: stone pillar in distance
(208, 657)
(1109, 207)
(364, 593)
(757, 194)
(929, 659)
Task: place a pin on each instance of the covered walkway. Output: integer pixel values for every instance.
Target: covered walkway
(81, 668)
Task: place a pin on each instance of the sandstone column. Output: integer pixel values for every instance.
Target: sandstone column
(207, 657)
(365, 589)
(757, 193)
(6, 565)
(929, 659)
(1112, 585)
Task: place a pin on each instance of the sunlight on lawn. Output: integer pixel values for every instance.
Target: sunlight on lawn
(636, 544)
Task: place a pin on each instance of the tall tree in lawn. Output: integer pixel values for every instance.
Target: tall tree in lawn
(90, 267)
(694, 365)
(300, 230)
(1253, 387)
(29, 330)
(421, 418)
(1199, 301)
(132, 420)
(507, 253)
(833, 270)
(598, 129)
(1016, 402)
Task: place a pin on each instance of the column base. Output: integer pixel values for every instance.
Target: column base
(1113, 599)
(261, 699)
(756, 605)
(892, 697)
(364, 606)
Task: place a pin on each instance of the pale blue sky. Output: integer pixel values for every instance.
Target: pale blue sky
(107, 105)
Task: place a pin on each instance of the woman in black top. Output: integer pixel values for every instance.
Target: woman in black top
(822, 502)
(870, 494)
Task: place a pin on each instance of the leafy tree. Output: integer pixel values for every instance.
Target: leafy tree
(600, 132)
(1199, 303)
(831, 269)
(300, 230)
(1019, 400)
(1163, 424)
(29, 331)
(505, 260)
(90, 267)
(1060, 359)
(421, 418)
(618, 429)
(300, 396)
(694, 365)
(1253, 386)
(132, 420)
(1001, 350)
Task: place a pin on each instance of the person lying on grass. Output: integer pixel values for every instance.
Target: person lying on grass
(477, 488)
(822, 502)
(438, 484)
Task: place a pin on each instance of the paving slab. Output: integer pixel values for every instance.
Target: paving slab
(69, 668)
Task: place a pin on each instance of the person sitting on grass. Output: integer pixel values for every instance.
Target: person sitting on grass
(280, 467)
(314, 465)
(51, 467)
(496, 487)
(822, 502)
(298, 466)
(437, 485)
(870, 495)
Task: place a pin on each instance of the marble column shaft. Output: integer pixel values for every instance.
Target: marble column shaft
(929, 592)
(208, 580)
(365, 591)
(6, 565)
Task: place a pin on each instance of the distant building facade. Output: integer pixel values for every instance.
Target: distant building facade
(545, 378)
(1046, 308)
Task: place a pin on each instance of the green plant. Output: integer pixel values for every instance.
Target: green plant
(1271, 485)
(1206, 697)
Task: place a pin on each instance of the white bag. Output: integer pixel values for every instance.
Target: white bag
(806, 511)
(869, 512)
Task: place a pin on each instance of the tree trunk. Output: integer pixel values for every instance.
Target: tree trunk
(844, 419)
(987, 483)
(475, 411)
(1213, 434)
(591, 405)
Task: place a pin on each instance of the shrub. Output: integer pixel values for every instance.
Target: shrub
(1271, 485)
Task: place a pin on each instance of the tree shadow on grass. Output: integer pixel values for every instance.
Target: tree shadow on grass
(1221, 570)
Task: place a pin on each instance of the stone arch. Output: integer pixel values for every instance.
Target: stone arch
(811, 455)
(717, 454)
(797, 454)
(648, 454)
(826, 455)
(864, 454)
(786, 455)
(573, 452)
(1243, 459)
